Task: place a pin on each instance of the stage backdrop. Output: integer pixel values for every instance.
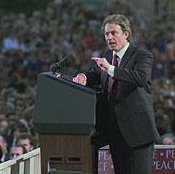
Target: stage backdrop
(164, 160)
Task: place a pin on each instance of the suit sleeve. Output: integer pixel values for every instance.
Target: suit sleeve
(93, 75)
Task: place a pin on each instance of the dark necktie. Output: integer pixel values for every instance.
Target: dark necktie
(111, 79)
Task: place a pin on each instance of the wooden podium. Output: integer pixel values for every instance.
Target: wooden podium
(65, 118)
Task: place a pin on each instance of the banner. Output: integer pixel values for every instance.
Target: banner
(163, 160)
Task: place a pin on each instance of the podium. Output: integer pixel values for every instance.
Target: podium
(64, 117)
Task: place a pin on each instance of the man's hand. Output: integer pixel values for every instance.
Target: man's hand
(80, 79)
(102, 63)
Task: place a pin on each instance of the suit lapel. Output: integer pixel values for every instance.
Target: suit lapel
(126, 56)
(109, 54)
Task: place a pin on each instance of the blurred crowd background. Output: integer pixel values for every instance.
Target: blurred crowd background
(33, 41)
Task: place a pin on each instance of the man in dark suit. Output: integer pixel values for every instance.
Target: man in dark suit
(126, 122)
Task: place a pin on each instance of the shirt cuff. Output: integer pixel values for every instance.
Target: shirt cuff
(82, 74)
(111, 70)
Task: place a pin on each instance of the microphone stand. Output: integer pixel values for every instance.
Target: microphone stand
(58, 65)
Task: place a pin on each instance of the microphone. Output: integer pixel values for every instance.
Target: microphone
(60, 64)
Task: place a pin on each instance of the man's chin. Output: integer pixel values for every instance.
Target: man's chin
(111, 47)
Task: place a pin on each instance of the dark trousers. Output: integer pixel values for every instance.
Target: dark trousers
(126, 160)
(130, 160)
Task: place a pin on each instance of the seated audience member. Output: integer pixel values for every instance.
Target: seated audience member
(167, 139)
(16, 151)
(26, 140)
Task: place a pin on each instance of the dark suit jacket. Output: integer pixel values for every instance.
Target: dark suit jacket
(133, 100)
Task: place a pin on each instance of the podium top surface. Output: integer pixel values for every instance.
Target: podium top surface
(68, 81)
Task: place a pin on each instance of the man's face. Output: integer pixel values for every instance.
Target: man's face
(115, 38)
(26, 143)
(16, 152)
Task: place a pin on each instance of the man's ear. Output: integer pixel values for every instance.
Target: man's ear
(126, 34)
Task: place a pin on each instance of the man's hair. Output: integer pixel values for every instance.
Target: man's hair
(120, 20)
(25, 136)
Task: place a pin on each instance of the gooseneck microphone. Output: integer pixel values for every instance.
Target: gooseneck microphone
(61, 63)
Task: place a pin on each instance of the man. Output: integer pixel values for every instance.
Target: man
(16, 151)
(127, 122)
(25, 140)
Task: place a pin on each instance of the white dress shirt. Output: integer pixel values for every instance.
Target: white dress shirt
(120, 55)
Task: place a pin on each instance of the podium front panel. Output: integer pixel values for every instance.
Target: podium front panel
(63, 106)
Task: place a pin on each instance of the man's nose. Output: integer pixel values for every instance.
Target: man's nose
(110, 36)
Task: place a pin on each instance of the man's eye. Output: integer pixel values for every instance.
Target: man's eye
(113, 32)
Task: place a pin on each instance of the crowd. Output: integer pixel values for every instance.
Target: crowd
(31, 44)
